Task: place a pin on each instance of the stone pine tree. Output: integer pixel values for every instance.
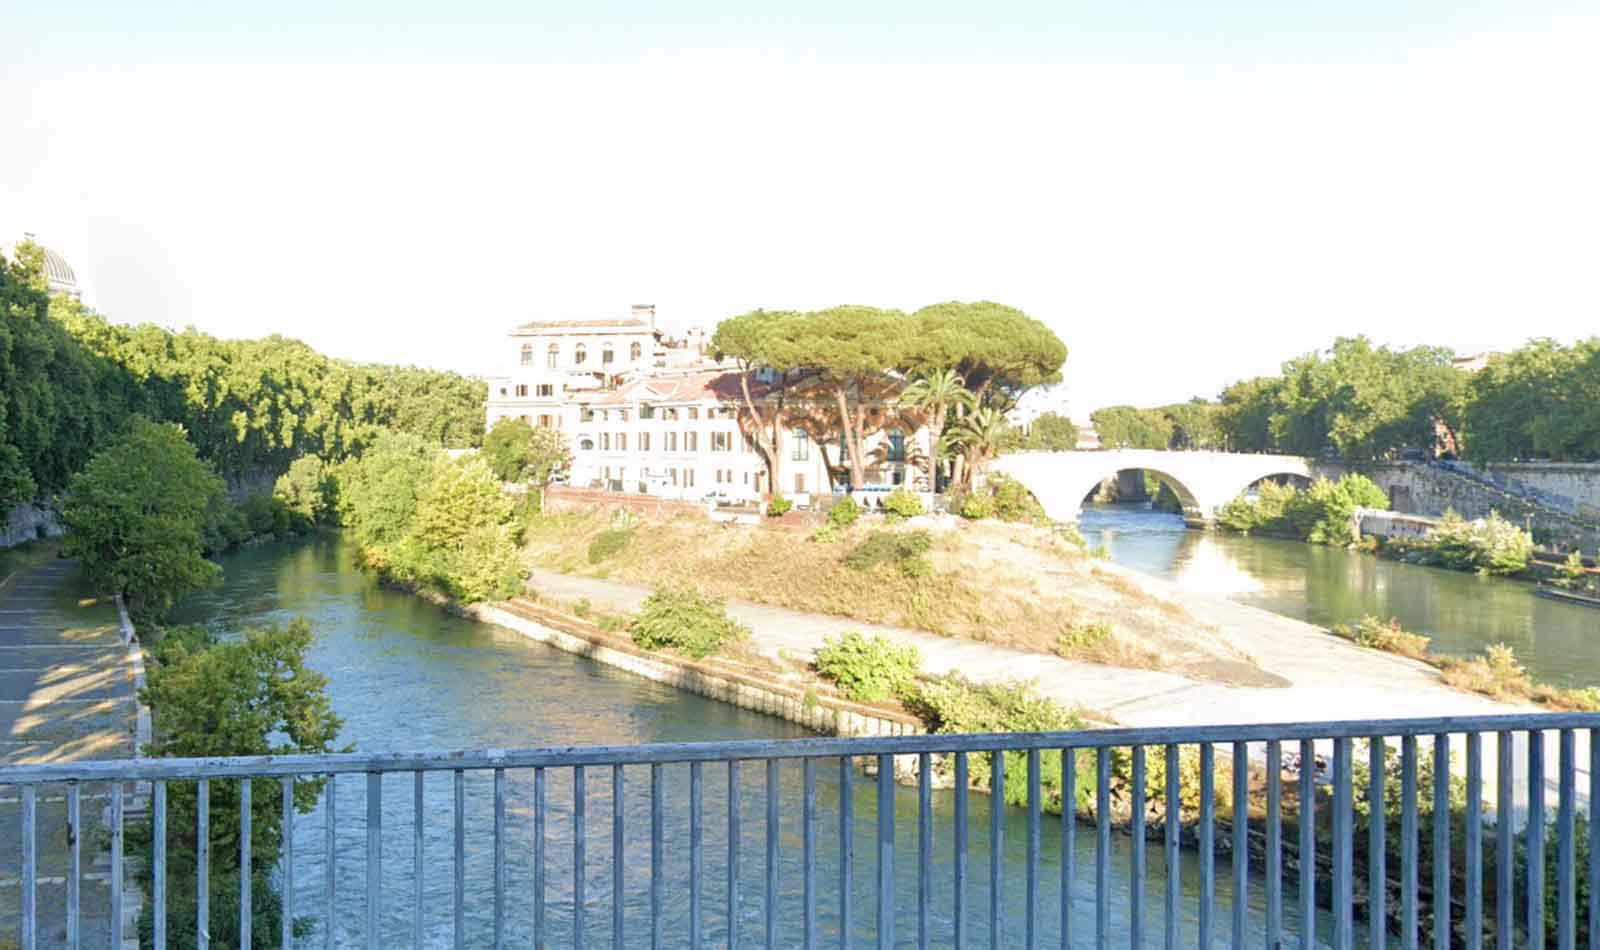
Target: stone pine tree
(757, 343)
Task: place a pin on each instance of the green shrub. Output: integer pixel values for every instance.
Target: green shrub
(683, 619)
(869, 668)
(224, 527)
(844, 512)
(976, 506)
(906, 550)
(1321, 514)
(582, 609)
(779, 506)
(1390, 637)
(1491, 546)
(1083, 637)
(827, 534)
(901, 503)
(266, 516)
(1013, 502)
(1571, 571)
(608, 544)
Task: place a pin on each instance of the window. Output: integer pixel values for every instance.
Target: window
(633, 352)
(545, 422)
(622, 441)
(522, 389)
(694, 412)
(671, 413)
(586, 444)
(691, 441)
(585, 414)
(647, 411)
(688, 478)
(672, 473)
(897, 445)
(554, 355)
(799, 446)
(605, 441)
(527, 354)
(523, 418)
(606, 356)
(672, 441)
(605, 414)
(622, 414)
(799, 483)
(502, 390)
(545, 389)
(721, 441)
(644, 441)
(579, 355)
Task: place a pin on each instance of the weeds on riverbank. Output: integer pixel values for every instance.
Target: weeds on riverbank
(1496, 673)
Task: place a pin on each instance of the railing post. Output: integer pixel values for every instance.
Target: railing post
(886, 852)
(374, 859)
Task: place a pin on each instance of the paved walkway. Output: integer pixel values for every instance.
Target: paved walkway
(66, 693)
(1327, 678)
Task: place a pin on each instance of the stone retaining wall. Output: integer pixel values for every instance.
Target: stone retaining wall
(562, 498)
(28, 523)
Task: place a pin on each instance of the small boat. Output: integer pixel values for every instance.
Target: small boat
(1568, 596)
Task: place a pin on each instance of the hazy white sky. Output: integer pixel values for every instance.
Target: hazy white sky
(1188, 196)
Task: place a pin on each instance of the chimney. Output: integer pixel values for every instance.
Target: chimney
(645, 311)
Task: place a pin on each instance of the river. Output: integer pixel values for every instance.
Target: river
(1462, 612)
(406, 676)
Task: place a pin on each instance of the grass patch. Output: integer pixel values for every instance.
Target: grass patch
(906, 550)
(608, 544)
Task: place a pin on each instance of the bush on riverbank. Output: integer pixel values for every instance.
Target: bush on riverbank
(683, 619)
(1374, 634)
(868, 669)
(1321, 514)
(1490, 545)
(1001, 497)
(906, 551)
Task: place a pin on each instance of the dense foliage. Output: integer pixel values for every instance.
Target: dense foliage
(519, 452)
(70, 379)
(136, 516)
(1003, 497)
(1540, 401)
(1321, 514)
(901, 504)
(905, 550)
(869, 669)
(253, 695)
(1489, 545)
(1051, 432)
(685, 620)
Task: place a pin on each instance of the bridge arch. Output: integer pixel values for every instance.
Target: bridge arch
(1204, 481)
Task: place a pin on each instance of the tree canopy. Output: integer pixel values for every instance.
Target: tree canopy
(519, 452)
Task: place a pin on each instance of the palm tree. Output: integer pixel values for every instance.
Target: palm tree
(936, 392)
(980, 436)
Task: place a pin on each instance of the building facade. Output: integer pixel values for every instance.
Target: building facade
(646, 413)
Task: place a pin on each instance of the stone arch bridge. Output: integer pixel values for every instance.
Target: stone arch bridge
(1203, 481)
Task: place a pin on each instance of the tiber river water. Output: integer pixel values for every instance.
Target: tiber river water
(406, 676)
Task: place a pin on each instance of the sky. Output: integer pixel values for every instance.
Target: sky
(1188, 194)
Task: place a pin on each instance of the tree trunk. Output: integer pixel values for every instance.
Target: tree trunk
(937, 427)
(852, 443)
(766, 437)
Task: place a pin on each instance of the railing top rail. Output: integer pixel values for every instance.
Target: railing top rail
(561, 757)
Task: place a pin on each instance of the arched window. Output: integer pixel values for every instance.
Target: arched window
(586, 445)
(578, 355)
(527, 354)
(606, 356)
(555, 354)
(634, 351)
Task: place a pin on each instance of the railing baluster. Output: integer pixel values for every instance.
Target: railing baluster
(808, 870)
(1504, 830)
(30, 869)
(1274, 843)
(286, 832)
(116, 861)
(846, 851)
(244, 868)
(1593, 825)
(770, 904)
(924, 847)
(1136, 836)
(75, 869)
(1535, 832)
(733, 854)
(158, 877)
(1102, 846)
(499, 859)
(202, 904)
(374, 859)
(1069, 834)
(459, 866)
(1441, 842)
(618, 861)
(885, 852)
(538, 857)
(1408, 842)
(330, 816)
(1377, 840)
(416, 858)
(1566, 874)
(580, 831)
(1474, 841)
(960, 858)
(1343, 846)
(1208, 829)
(1241, 840)
(696, 856)
(1171, 841)
(1030, 914)
(656, 871)
(997, 849)
(1307, 844)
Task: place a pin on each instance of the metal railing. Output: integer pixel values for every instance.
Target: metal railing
(1312, 814)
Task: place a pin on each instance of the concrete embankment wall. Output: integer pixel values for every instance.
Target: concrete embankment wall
(745, 688)
(1428, 491)
(1578, 481)
(27, 523)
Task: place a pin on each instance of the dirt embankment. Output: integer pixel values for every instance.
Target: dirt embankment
(1019, 586)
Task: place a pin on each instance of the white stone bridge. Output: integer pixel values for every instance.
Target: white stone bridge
(1203, 481)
